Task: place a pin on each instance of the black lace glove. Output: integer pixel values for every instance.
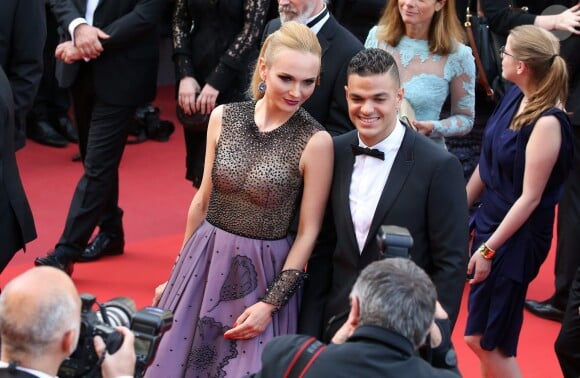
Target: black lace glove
(283, 287)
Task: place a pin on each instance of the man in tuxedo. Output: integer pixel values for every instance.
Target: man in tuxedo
(388, 320)
(109, 62)
(327, 104)
(16, 222)
(40, 326)
(22, 36)
(411, 183)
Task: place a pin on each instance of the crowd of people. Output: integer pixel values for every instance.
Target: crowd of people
(296, 145)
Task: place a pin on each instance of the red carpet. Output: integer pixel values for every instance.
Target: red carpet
(155, 197)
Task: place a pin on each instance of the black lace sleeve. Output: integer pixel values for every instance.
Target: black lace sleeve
(246, 41)
(181, 27)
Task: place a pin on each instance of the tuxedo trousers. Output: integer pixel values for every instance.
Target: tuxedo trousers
(569, 337)
(567, 254)
(103, 130)
(10, 232)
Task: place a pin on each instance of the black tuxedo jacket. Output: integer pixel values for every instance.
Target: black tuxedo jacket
(425, 192)
(370, 352)
(328, 102)
(126, 71)
(16, 223)
(22, 35)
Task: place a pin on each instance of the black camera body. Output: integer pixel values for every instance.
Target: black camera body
(148, 325)
(394, 241)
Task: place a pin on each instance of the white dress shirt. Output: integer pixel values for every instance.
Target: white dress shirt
(368, 180)
(316, 27)
(88, 19)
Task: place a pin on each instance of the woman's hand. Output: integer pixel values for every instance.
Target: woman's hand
(424, 127)
(186, 96)
(158, 291)
(67, 52)
(482, 268)
(206, 101)
(252, 322)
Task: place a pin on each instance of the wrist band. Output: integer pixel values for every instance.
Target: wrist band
(283, 287)
(486, 252)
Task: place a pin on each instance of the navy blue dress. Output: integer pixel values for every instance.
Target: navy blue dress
(496, 304)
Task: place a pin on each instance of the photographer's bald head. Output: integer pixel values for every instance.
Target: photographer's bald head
(39, 320)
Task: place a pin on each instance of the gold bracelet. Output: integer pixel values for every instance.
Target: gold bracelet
(486, 252)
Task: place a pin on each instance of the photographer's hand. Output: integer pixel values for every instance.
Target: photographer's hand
(122, 362)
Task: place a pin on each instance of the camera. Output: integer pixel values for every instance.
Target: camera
(147, 124)
(394, 241)
(148, 324)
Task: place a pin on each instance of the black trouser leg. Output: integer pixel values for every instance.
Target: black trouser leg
(567, 253)
(95, 201)
(568, 340)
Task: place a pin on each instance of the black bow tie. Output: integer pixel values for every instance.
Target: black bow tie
(358, 150)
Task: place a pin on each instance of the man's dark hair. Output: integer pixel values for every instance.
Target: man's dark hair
(373, 61)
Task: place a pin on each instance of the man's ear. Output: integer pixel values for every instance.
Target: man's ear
(354, 314)
(400, 96)
(69, 341)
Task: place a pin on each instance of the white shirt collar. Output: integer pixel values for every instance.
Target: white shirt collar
(392, 141)
(316, 27)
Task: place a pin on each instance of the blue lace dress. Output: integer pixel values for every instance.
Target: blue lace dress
(429, 78)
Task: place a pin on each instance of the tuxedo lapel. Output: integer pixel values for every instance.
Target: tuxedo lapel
(399, 173)
(323, 37)
(343, 174)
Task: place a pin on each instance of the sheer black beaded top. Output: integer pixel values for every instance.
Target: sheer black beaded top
(256, 178)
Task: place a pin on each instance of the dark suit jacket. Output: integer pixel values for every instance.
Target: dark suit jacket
(22, 35)
(125, 73)
(16, 223)
(328, 102)
(370, 352)
(425, 193)
(570, 51)
(5, 373)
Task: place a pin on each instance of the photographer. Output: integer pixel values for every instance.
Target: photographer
(40, 326)
(380, 336)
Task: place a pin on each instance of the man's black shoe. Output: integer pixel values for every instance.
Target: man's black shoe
(54, 260)
(544, 310)
(42, 132)
(66, 129)
(104, 244)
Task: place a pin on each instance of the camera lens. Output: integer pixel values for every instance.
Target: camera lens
(117, 312)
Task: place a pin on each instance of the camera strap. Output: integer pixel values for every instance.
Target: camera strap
(304, 358)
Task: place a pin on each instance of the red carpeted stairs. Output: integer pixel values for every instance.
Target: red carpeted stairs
(155, 197)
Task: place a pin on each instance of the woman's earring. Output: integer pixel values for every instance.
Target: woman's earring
(262, 87)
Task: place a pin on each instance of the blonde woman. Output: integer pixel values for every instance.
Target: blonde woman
(234, 285)
(526, 155)
(425, 38)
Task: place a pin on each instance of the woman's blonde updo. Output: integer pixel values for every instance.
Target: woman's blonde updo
(291, 35)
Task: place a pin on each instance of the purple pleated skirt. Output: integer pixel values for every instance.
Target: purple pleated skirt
(216, 277)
